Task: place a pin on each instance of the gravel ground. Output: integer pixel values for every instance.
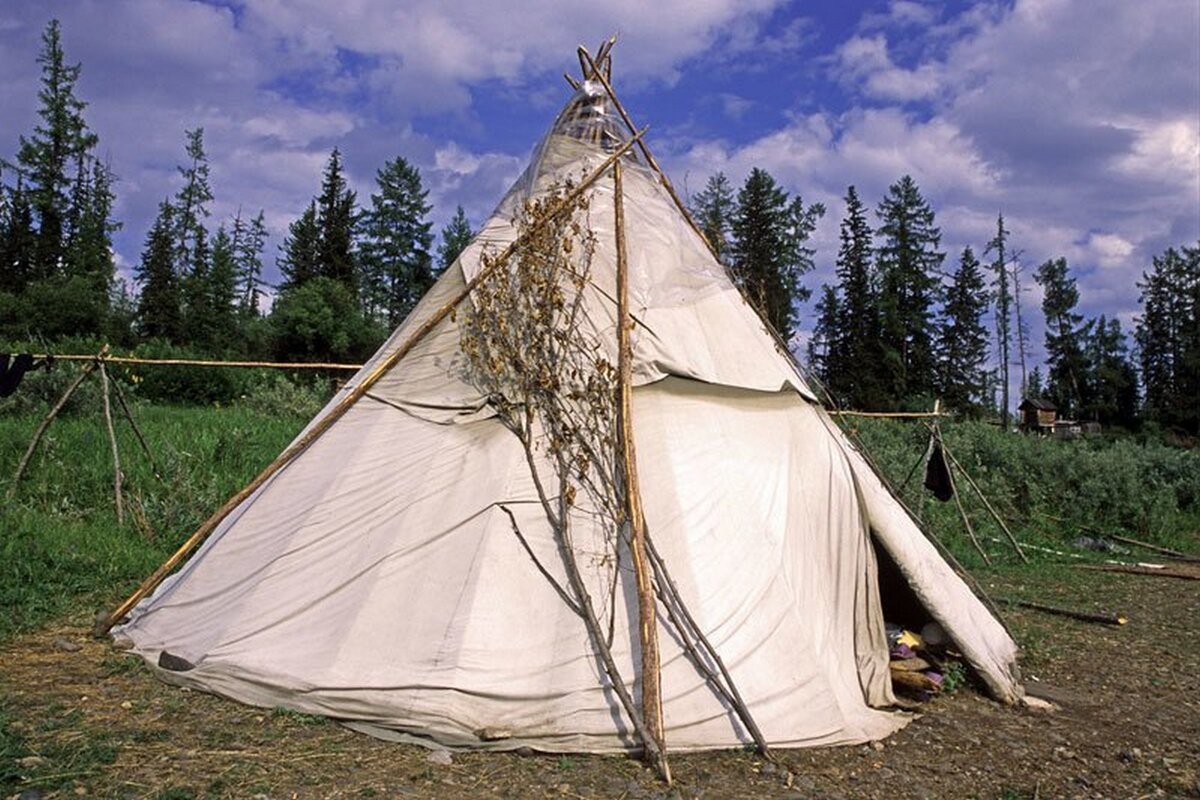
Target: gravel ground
(80, 719)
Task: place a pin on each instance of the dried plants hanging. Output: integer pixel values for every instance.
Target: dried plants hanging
(530, 347)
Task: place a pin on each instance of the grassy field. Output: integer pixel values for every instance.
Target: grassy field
(76, 717)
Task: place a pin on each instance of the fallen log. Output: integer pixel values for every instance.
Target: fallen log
(1156, 572)
(1085, 616)
(916, 681)
(1178, 555)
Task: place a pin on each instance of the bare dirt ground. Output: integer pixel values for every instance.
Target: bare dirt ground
(86, 720)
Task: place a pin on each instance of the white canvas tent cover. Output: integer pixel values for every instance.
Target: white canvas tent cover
(375, 580)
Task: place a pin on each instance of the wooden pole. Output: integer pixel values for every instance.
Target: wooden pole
(728, 688)
(999, 521)
(892, 414)
(45, 423)
(136, 430)
(780, 344)
(966, 520)
(651, 683)
(1138, 569)
(196, 362)
(1166, 551)
(112, 440)
(1083, 616)
(325, 423)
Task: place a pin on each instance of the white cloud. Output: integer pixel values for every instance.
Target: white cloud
(866, 61)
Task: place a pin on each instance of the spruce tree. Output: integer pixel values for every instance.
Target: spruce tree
(191, 207)
(824, 345)
(58, 142)
(247, 245)
(908, 266)
(963, 340)
(89, 245)
(301, 249)
(1002, 293)
(1066, 333)
(1035, 388)
(713, 210)
(455, 237)
(337, 217)
(397, 242)
(1113, 380)
(1168, 338)
(769, 256)
(219, 326)
(159, 308)
(856, 351)
(18, 239)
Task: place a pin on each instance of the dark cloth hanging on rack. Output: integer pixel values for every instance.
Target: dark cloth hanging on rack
(13, 370)
(937, 474)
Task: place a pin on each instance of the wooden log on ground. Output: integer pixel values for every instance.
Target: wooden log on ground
(1153, 572)
(1166, 551)
(915, 681)
(1083, 616)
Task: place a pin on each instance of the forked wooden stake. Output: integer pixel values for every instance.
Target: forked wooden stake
(112, 440)
(651, 683)
(325, 423)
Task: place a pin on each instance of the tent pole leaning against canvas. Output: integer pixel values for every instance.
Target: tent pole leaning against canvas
(106, 621)
(651, 684)
(45, 423)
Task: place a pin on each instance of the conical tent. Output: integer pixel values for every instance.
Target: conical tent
(376, 576)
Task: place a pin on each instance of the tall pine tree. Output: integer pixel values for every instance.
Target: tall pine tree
(769, 254)
(909, 263)
(963, 340)
(191, 207)
(301, 250)
(337, 216)
(455, 237)
(60, 141)
(713, 209)
(855, 349)
(1066, 334)
(1168, 338)
(396, 246)
(160, 306)
(1113, 379)
(247, 245)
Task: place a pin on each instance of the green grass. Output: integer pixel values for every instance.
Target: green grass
(61, 545)
(1124, 485)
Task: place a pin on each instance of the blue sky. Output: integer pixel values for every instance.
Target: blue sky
(1080, 121)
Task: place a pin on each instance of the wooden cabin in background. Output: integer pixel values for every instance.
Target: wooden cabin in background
(1038, 416)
